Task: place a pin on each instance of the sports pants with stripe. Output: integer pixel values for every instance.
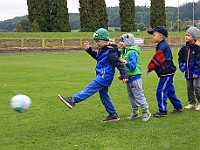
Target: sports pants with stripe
(166, 90)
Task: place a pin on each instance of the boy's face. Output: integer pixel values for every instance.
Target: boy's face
(122, 44)
(101, 43)
(157, 37)
(189, 38)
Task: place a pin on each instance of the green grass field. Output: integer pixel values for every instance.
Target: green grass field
(50, 125)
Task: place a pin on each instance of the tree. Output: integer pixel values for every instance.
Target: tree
(38, 10)
(59, 16)
(141, 26)
(50, 15)
(93, 15)
(86, 23)
(35, 27)
(127, 15)
(100, 14)
(25, 25)
(18, 28)
(157, 13)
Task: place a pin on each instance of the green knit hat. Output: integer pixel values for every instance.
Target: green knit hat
(101, 34)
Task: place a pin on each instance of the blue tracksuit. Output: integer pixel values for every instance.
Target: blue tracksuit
(162, 63)
(107, 59)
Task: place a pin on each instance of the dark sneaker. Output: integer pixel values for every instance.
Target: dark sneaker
(133, 116)
(67, 101)
(160, 114)
(177, 110)
(111, 118)
(146, 116)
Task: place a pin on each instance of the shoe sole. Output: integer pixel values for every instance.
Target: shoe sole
(190, 107)
(160, 116)
(111, 120)
(179, 111)
(68, 105)
(133, 117)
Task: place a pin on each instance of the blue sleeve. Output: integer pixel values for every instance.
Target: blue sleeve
(132, 61)
(182, 66)
(181, 57)
(197, 62)
(92, 53)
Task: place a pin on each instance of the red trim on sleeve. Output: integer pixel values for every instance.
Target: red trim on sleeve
(157, 60)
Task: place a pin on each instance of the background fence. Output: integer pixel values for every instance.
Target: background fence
(45, 43)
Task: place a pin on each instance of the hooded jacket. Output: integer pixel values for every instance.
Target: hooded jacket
(107, 59)
(133, 66)
(189, 60)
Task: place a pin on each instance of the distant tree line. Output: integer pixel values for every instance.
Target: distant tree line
(112, 18)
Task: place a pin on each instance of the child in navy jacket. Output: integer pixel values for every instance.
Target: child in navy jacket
(189, 62)
(162, 63)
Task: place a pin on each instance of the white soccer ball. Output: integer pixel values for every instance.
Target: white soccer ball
(20, 103)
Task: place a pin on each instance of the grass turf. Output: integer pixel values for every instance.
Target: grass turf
(49, 124)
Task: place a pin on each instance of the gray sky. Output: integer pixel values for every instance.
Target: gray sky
(12, 8)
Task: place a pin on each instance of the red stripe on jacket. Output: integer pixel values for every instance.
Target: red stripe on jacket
(157, 60)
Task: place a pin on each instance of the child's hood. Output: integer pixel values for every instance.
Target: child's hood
(134, 48)
(197, 43)
(114, 46)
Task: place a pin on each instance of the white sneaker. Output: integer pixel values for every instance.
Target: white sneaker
(198, 107)
(190, 106)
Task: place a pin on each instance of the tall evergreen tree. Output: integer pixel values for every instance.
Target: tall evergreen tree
(127, 15)
(50, 15)
(157, 13)
(38, 11)
(93, 15)
(59, 16)
(86, 22)
(100, 14)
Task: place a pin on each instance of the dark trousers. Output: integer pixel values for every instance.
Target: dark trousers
(193, 88)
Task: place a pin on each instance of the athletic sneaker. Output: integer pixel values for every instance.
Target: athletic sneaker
(111, 118)
(146, 116)
(177, 110)
(190, 106)
(133, 116)
(67, 101)
(198, 107)
(160, 114)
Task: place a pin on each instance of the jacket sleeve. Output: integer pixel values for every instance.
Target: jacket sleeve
(197, 62)
(92, 53)
(181, 61)
(132, 61)
(115, 61)
(156, 61)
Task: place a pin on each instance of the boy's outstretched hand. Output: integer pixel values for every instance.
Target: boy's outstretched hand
(195, 76)
(148, 71)
(87, 45)
(123, 80)
(124, 61)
